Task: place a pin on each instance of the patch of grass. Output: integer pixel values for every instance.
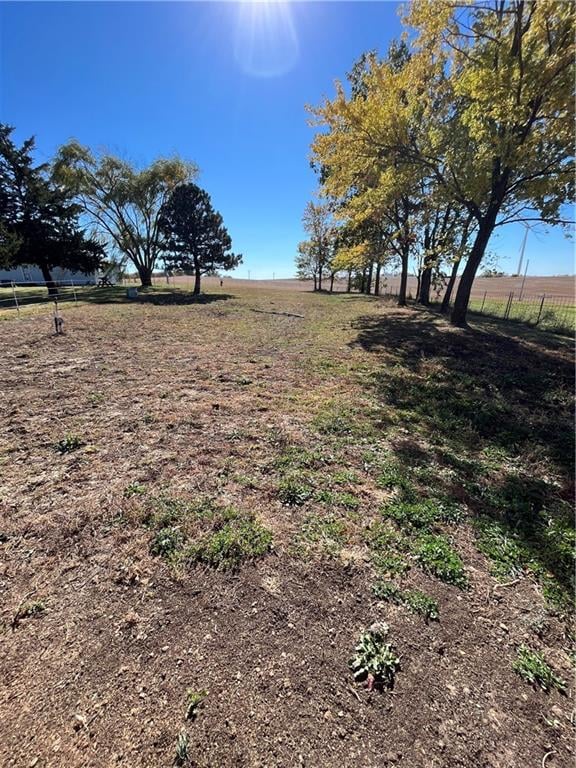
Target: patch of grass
(345, 477)
(341, 421)
(532, 667)
(324, 534)
(423, 515)
(193, 701)
(295, 490)
(388, 549)
(436, 556)
(374, 659)
(392, 475)
(415, 600)
(296, 457)
(134, 489)
(69, 443)
(240, 539)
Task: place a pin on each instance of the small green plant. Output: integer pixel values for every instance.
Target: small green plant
(182, 743)
(532, 667)
(134, 489)
(374, 659)
(436, 556)
(419, 602)
(240, 539)
(69, 443)
(345, 477)
(415, 600)
(166, 542)
(193, 701)
(293, 491)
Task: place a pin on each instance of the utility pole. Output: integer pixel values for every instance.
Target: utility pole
(523, 279)
(519, 272)
(248, 274)
(273, 275)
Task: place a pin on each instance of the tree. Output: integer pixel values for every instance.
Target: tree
(122, 202)
(195, 238)
(38, 219)
(502, 143)
(307, 263)
(317, 221)
(482, 108)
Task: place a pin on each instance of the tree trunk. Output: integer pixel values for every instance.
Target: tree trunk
(460, 309)
(425, 283)
(50, 284)
(320, 279)
(403, 278)
(363, 281)
(315, 282)
(377, 280)
(332, 282)
(145, 274)
(449, 288)
(369, 279)
(197, 278)
(349, 288)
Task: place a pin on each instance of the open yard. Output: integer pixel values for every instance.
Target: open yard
(204, 505)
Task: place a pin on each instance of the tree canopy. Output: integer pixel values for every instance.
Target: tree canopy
(195, 238)
(123, 202)
(478, 115)
(39, 222)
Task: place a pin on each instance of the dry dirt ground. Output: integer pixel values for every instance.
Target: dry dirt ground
(311, 416)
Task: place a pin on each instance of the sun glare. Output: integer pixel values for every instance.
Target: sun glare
(266, 43)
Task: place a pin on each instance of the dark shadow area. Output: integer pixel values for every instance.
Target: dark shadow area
(494, 405)
(180, 298)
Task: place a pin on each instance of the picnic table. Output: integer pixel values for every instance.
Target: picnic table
(104, 282)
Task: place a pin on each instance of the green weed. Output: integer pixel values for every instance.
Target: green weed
(295, 490)
(134, 489)
(435, 555)
(193, 701)
(240, 539)
(532, 667)
(69, 443)
(182, 743)
(166, 542)
(415, 600)
(374, 659)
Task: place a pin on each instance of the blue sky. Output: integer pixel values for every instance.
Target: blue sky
(223, 84)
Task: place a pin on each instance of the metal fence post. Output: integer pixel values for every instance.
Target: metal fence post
(483, 300)
(541, 308)
(15, 297)
(508, 305)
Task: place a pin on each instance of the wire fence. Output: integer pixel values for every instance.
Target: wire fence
(554, 313)
(549, 312)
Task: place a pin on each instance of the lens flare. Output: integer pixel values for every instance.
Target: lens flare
(266, 43)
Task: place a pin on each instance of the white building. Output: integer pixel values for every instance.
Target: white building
(32, 274)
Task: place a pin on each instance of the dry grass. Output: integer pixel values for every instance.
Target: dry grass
(288, 408)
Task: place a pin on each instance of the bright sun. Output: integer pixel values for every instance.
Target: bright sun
(266, 43)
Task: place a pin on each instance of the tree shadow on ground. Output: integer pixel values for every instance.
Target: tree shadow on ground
(493, 405)
(180, 298)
